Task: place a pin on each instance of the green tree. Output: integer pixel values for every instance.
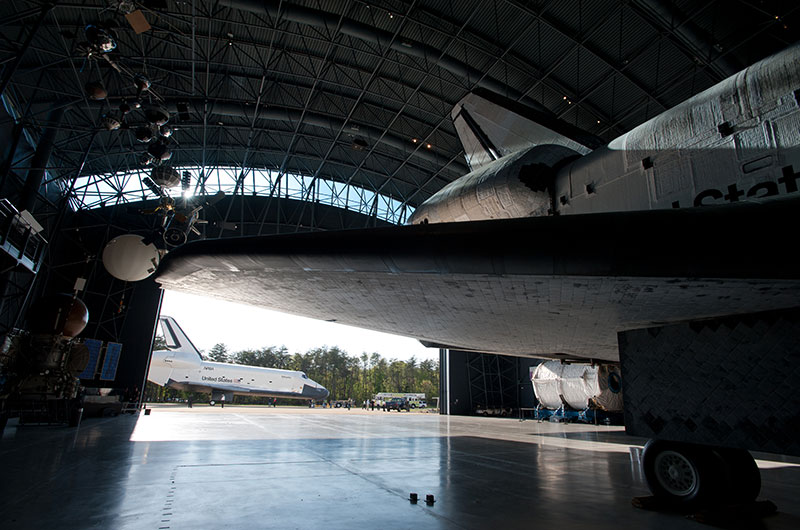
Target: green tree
(219, 353)
(159, 343)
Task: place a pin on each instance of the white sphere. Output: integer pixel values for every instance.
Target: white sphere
(128, 258)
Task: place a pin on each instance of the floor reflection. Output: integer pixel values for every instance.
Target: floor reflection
(257, 468)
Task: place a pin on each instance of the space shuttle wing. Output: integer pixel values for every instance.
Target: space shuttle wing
(531, 286)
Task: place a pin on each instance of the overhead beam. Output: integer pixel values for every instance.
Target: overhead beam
(382, 38)
(9, 72)
(39, 163)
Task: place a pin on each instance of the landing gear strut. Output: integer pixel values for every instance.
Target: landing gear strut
(689, 476)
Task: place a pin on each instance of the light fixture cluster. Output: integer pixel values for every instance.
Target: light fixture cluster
(100, 41)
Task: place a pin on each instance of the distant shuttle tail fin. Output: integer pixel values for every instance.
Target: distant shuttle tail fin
(175, 337)
(491, 126)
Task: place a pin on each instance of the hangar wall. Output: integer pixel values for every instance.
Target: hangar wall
(483, 383)
(126, 312)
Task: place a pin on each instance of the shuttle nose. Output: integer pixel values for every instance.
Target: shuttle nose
(315, 392)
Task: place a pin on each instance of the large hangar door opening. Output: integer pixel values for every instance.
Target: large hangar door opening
(486, 384)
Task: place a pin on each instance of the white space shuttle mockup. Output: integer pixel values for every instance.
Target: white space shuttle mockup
(180, 366)
(670, 250)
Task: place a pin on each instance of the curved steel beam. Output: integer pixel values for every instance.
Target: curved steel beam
(365, 32)
(226, 108)
(699, 45)
(203, 107)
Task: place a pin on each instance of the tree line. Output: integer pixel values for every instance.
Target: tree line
(346, 376)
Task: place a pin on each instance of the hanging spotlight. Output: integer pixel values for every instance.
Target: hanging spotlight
(142, 83)
(143, 134)
(101, 39)
(95, 90)
(165, 176)
(159, 151)
(110, 123)
(156, 115)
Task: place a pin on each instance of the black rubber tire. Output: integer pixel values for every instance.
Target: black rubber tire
(705, 467)
(743, 482)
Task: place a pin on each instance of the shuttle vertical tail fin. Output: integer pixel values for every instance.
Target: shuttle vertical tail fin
(175, 337)
(491, 126)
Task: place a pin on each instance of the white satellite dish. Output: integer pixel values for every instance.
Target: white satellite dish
(128, 258)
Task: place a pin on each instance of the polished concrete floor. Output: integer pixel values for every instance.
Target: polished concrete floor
(283, 468)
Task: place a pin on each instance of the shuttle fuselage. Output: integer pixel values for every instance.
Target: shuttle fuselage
(738, 140)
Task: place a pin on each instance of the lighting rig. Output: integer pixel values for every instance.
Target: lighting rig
(100, 41)
(178, 217)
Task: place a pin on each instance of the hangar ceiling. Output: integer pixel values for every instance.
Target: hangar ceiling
(309, 98)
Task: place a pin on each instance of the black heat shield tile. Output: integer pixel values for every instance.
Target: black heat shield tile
(730, 382)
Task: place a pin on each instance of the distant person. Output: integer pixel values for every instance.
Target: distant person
(189, 401)
(222, 401)
(372, 404)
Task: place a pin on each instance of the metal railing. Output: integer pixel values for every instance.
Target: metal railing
(20, 238)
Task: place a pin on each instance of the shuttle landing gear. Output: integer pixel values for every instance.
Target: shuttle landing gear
(689, 476)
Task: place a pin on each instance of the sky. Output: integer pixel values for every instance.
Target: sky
(207, 321)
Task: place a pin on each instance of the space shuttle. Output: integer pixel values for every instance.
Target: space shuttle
(668, 251)
(735, 142)
(181, 366)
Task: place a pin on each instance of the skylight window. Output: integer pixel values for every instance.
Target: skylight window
(111, 189)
